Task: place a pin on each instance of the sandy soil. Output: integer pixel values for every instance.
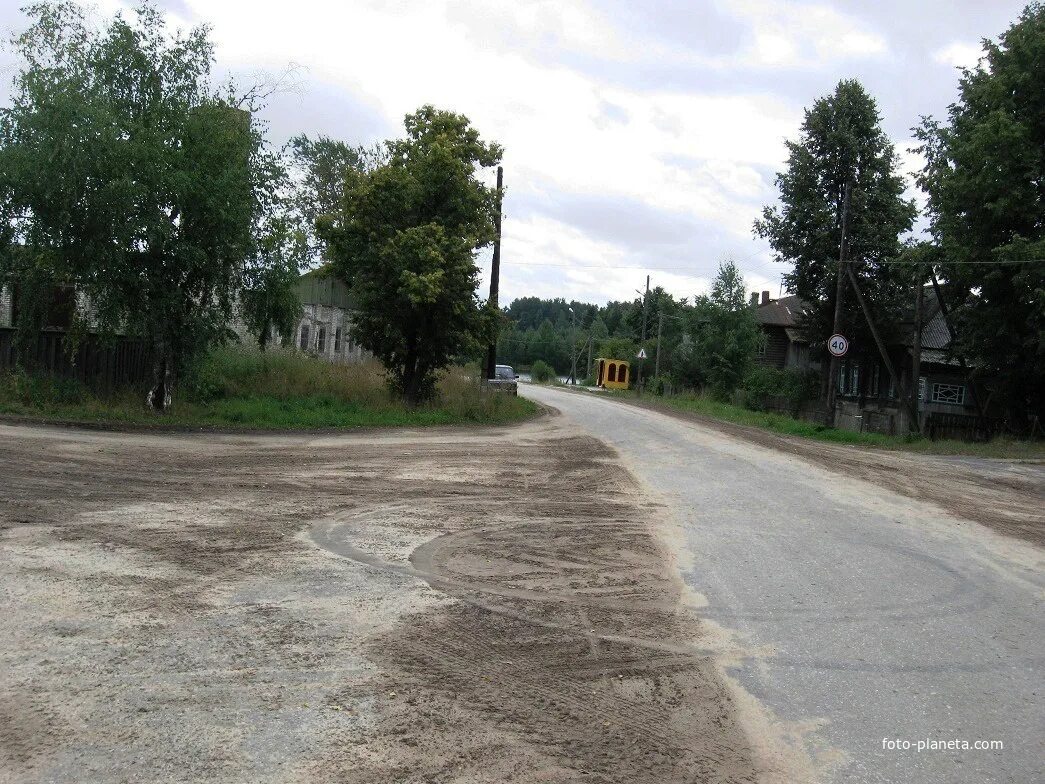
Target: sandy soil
(439, 606)
(1005, 495)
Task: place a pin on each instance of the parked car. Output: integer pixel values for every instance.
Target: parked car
(506, 379)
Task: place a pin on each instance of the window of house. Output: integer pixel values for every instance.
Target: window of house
(337, 341)
(351, 344)
(321, 340)
(876, 378)
(848, 378)
(304, 337)
(953, 394)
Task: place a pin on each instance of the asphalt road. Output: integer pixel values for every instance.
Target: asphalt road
(869, 616)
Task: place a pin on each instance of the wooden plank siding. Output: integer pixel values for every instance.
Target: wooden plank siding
(774, 353)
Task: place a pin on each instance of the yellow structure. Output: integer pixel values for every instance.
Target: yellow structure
(613, 373)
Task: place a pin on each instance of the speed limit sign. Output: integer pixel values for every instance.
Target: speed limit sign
(837, 345)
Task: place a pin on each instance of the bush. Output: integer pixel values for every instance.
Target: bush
(796, 387)
(542, 372)
(277, 388)
(659, 385)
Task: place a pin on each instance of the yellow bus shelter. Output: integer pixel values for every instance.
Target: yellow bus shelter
(613, 373)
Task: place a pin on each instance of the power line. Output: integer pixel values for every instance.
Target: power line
(762, 266)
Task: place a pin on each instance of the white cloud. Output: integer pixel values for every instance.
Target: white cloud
(959, 54)
(544, 79)
(804, 35)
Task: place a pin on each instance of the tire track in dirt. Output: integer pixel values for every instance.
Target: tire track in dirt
(569, 653)
(173, 624)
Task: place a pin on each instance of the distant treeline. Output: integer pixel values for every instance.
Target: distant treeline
(710, 341)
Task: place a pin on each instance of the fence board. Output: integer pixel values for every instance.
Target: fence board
(101, 365)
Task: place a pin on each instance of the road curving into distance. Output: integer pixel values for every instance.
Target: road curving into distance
(875, 622)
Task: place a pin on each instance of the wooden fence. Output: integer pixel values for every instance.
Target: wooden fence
(100, 364)
(963, 427)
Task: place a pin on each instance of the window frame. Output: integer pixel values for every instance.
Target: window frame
(958, 397)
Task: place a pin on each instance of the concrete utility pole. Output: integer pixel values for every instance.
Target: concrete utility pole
(495, 275)
(832, 376)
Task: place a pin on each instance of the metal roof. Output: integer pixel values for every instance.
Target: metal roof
(320, 288)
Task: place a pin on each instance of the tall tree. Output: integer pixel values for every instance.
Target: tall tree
(129, 177)
(269, 302)
(406, 236)
(841, 142)
(985, 176)
(321, 168)
(726, 336)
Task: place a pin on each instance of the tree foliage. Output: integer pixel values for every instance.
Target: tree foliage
(269, 303)
(725, 336)
(124, 173)
(841, 141)
(321, 169)
(405, 237)
(985, 176)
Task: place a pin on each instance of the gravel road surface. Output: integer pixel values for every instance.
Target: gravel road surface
(867, 615)
(472, 606)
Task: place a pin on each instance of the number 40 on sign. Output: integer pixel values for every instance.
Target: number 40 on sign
(837, 345)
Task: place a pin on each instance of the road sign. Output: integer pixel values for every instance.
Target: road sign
(838, 345)
(641, 354)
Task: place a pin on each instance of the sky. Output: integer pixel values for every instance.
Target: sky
(640, 138)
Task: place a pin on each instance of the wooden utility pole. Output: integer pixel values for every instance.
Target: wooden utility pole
(573, 349)
(916, 348)
(645, 298)
(660, 328)
(942, 304)
(876, 335)
(832, 376)
(495, 276)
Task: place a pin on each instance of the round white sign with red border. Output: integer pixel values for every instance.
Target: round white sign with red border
(838, 345)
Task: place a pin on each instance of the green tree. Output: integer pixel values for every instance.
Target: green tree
(405, 238)
(269, 302)
(599, 330)
(841, 142)
(985, 176)
(322, 169)
(126, 175)
(725, 336)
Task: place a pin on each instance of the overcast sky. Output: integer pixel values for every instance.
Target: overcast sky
(639, 137)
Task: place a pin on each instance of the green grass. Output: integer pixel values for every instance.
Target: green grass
(240, 388)
(705, 405)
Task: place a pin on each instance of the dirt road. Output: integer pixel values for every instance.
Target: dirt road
(439, 606)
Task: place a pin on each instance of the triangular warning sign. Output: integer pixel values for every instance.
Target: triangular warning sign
(641, 354)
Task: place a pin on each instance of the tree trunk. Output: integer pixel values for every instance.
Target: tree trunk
(161, 392)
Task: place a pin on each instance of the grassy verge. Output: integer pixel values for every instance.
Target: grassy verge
(779, 423)
(239, 388)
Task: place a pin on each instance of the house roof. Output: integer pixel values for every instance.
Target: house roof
(783, 312)
(936, 337)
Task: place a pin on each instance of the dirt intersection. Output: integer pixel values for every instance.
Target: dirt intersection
(467, 606)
